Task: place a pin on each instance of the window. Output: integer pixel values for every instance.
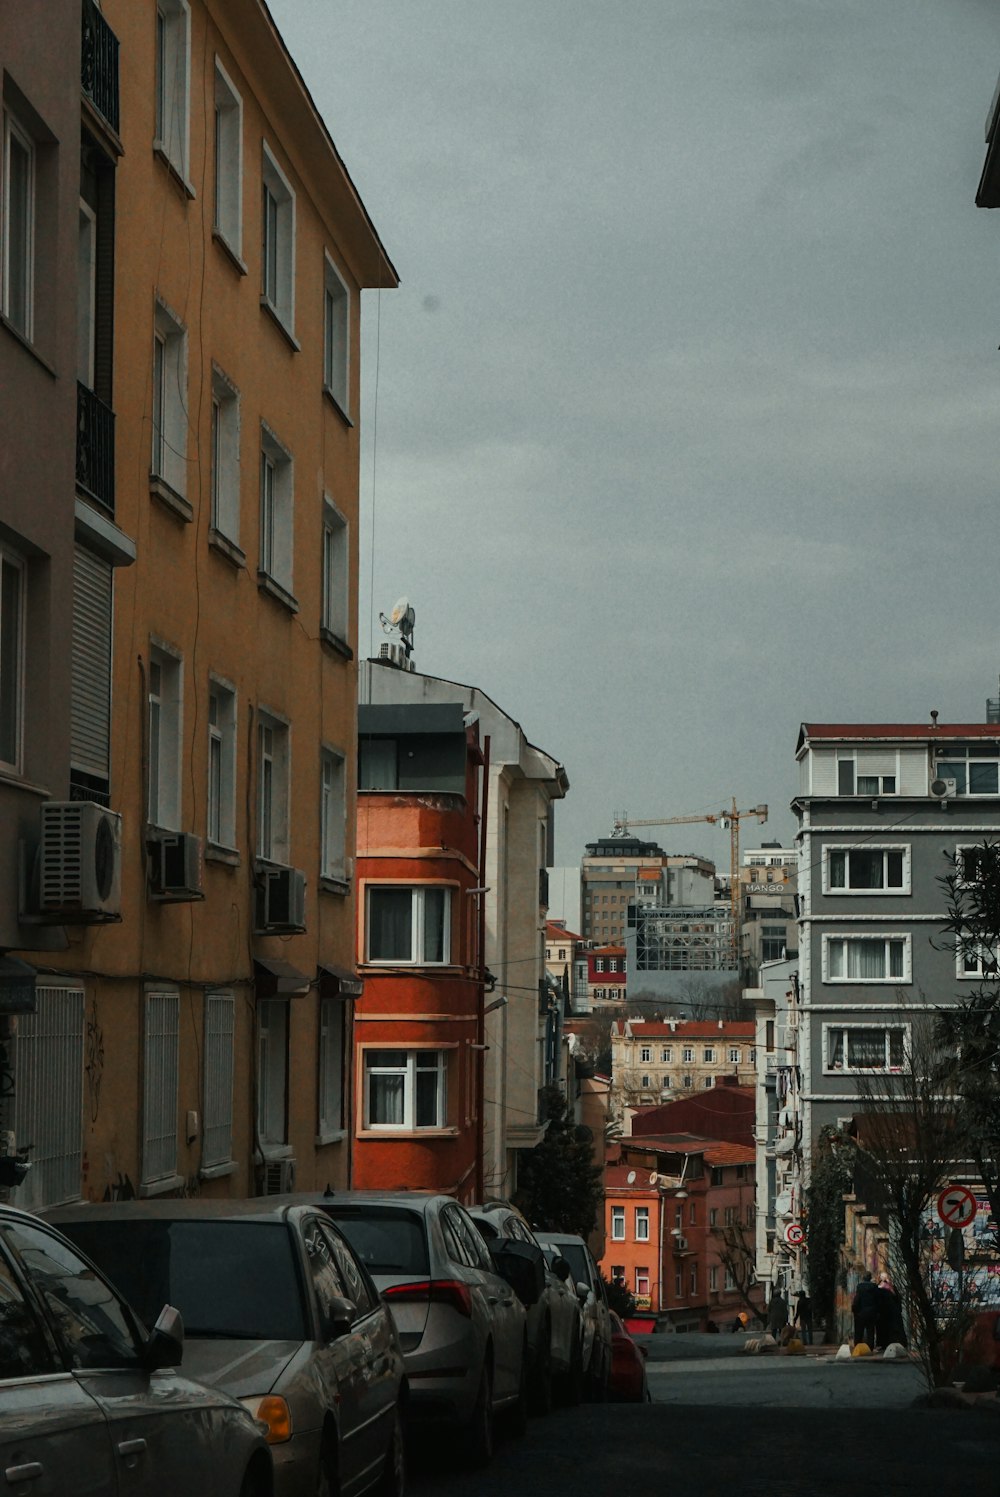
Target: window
(90, 691)
(692, 1214)
(332, 1013)
(18, 220)
(730, 1216)
(221, 764)
(228, 161)
(272, 789)
(277, 242)
(872, 869)
(694, 1277)
(666, 1055)
(713, 1216)
(645, 1053)
(975, 768)
(876, 958)
(48, 1102)
(642, 1283)
(86, 294)
(173, 41)
(717, 1177)
(405, 1089)
(871, 773)
(977, 961)
(665, 1083)
(599, 967)
(225, 457)
(679, 1283)
(336, 335)
(687, 1081)
(708, 1081)
(750, 1215)
(645, 1081)
(409, 925)
(164, 741)
(975, 862)
(709, 1055)
(12, 590)
(333, 815)
(618, 1224)
(734, 1055)
(95, 1325)
(613, 964)
(713, 1279)
(688, 1054)
(272, 1071)
(168, 460)
(159, 1089)
(642, 1224)
(336, 574)
(773, 939)
(729, 1283)
(217, 1138)
(276, 496)
(865, 1047)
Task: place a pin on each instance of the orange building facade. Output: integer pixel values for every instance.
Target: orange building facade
(418, 1031)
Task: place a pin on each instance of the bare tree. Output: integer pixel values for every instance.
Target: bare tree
(738, 1258)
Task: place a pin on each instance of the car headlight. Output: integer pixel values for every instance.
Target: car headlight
(273, 1414)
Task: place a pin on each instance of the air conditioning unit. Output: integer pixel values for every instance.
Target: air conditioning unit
(276, 1177)
(680, 1244)
(944, 789)
(80, 862)
(396, 655)
(281, 901)
(175, 866)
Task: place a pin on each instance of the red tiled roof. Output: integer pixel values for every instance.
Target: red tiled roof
(695, 1029)
(723, 1153)
(557, 932)
(608, 951)
(899, 730)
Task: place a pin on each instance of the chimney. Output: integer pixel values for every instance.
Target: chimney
(721, 1022)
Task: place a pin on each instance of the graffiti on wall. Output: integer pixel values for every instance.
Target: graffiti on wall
(94, 1065)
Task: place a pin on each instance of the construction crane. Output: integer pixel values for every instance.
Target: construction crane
(731, 819)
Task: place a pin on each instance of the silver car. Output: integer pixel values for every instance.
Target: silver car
(279, 1313)
(554, 1316)
(593, 1303)
(90, 1403)
(461, 1327)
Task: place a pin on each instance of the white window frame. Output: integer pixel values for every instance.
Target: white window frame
(336, 336)
(160, 1086)
(222, 729)
(273, 787)
(986, 964)
(217, 1092)
(272, 1075)
(645, 1053)
(852, 756)
(168, 454)
(429, 1060)
(277, 241)
(599, 964)
(644, 1081)
(228, 208)
(960, 850)
(330, 1079)
(86, 294)
(831, 1030)
(666, 1056)
(165, 697)
(12, 657)
(642, 1223)
(829, 940)
(277, 510)
(336, 562)
(885, 848)
(687, 1055)
(21, 317)
(417, 925)
(48, 1057)
(172, 127)
(618, 1224)
(225, 457)
(708, 1081)
(713, 1279)
(333, 814)
(708, 1055)
(734, 1055)
(945, 763)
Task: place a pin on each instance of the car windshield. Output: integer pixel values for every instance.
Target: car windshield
(575, 1256)
(227, 1278)
(387, 1239)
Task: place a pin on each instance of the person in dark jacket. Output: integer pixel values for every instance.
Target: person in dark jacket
(777, 1313)
(863, 1308)
(888, 1315)
(804, 1317)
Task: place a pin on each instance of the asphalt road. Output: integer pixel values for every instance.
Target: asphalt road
(786, 1427)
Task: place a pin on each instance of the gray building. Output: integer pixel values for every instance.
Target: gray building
(880, 807)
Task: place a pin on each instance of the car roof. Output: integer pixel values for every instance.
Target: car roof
(415, 1199)
(260, 1208)
(556, 1237)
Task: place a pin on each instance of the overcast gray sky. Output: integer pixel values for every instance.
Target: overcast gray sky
(688, 402)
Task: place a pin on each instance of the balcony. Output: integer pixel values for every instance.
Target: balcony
(95, 448)
(99, 64)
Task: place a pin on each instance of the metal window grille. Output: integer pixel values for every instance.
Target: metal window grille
(48, 1105)
(159, 1089)
(220, 1020)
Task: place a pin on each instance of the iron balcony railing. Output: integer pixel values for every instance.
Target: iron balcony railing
(95, 447)
(99, 64)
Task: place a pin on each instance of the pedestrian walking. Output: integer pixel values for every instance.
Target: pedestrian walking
(777, 1314)
(863, 1308)
(888, 1315)
(804, 1317)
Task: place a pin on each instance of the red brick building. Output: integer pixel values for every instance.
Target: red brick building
(418, 1030)
(606, 975)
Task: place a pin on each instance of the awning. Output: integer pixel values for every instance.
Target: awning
(339, 982)
(274, 978)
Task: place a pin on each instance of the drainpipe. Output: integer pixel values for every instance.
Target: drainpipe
(481, 1003)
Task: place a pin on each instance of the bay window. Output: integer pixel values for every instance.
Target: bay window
(405, 1089)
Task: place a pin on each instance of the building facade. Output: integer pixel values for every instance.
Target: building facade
(197, 847)
(656, 1060)
(608, 874)
(768, 907)
(607, 978)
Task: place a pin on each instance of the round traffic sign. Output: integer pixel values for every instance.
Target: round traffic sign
(794, 1235)
(957, 1206)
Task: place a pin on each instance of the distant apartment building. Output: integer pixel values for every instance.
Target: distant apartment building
(608, 874)
(607, 977)
(564, 954)
(197, 253)
(768, 912)
(656, 1060)
(778, 1135)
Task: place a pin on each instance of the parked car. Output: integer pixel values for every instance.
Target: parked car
(593, 1303)
(90, 1402)
(461, 1326)
(280, 1313)
(628, 1382)
(554, 1317)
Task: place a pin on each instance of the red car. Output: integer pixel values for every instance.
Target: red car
(627, 1383)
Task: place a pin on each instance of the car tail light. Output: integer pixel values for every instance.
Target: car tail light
(434, 1291)
(274, 1413)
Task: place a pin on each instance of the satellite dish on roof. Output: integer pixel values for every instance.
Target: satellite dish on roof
(401, 621)
(630, 1178)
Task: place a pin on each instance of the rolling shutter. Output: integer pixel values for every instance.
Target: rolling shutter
(90, 720)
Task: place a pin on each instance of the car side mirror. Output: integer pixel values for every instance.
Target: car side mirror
(561, 1269)
(644, 1352)
(165, 1345)
(340, 1317)
(582, 1292)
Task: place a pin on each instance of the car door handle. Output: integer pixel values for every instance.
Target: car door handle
(30, 1471)
(131, 1447)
